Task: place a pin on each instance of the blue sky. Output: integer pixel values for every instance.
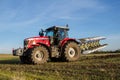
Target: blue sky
(20, 19)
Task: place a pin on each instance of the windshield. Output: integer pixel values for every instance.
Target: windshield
(61, 34)
(49, 33)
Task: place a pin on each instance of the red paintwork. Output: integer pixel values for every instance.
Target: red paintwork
(45, 41)
(65, 40)
(37, 41)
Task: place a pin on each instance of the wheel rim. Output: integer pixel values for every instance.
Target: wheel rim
(39, 55)
(71, 52)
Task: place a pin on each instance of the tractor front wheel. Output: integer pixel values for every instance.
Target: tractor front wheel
(39, 55)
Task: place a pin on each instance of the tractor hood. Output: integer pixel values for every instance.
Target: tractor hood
(37, 38)
(32, 41)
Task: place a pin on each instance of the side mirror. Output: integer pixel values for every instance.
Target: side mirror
(41, 33)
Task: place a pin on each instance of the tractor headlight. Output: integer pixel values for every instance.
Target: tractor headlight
(32, 42)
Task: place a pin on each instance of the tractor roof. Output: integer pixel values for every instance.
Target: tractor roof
(57, 27)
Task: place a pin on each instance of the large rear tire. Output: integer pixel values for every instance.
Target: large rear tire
(39, 55)
(71, 52)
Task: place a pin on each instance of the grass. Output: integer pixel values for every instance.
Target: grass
(8, 59)
(89, 67)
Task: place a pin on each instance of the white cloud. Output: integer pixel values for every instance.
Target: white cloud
(63, 9)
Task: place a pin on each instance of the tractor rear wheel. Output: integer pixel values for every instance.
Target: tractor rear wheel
(39, 55)
(71, 52)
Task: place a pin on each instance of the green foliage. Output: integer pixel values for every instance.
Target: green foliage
(89, 67)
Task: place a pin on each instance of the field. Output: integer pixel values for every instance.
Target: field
(89, 67)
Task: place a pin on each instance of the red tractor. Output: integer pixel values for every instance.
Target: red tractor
(54, 44)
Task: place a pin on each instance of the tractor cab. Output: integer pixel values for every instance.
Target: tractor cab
(55, 33)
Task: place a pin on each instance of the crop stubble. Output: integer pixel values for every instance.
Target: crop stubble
(89, 67)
